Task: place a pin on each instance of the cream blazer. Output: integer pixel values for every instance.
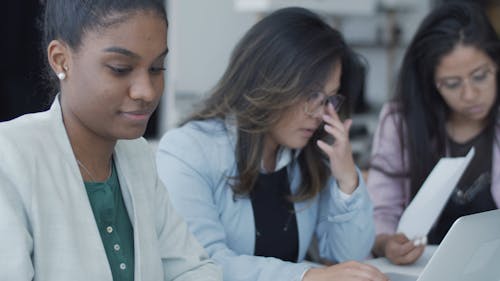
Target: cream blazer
(47, 228)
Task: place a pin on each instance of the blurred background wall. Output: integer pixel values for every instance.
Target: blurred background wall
(201, 36)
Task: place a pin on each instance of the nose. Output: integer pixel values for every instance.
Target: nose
(318, 113)
(469, 92)
(146, 88)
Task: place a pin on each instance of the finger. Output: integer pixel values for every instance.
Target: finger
(337, 133)
(400, 238)
(413, 255)
(369, 272)
(330, 115)
(331, 111)
(326, 148)
(397, 247)
(333, 122)
(403, 256)
(406, 248)
(347, 124)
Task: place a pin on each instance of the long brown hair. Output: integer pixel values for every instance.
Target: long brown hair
(273, 67)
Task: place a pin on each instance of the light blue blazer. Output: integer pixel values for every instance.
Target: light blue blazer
(195, 162)
(47, 228)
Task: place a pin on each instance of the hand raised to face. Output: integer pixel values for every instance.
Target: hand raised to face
(340, 151)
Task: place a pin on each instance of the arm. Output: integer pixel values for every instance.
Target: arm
(389, 190)
(182, 256)
(16, 243)
(345, 227)
(190, 176)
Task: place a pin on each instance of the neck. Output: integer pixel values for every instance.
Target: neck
(96, 160)
(462, 130)
(93, 152)
(269, 154)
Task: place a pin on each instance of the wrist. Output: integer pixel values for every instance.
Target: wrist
(310, 273)
(348, 184)
(380, 244)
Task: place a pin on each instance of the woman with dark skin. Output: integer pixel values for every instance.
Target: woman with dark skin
(79, 195)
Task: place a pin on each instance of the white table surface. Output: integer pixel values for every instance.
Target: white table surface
(416, 268)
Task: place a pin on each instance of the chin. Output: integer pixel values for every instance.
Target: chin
(297, 144)
(478, 117)
(132, 134)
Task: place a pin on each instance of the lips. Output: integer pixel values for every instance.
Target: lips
(307, 132)
(137, 115)
(475, 109)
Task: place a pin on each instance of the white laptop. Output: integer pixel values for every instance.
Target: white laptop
(469, 251)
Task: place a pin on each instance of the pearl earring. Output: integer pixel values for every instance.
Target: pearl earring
(61, 75)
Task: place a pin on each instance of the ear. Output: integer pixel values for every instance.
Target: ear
(59, 56)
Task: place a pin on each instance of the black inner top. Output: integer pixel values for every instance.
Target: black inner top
(473, 192)
(276, 232)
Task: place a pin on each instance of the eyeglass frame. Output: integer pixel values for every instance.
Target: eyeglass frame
(337, 100)
(488, 70)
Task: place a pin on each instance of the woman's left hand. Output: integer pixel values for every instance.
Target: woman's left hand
(340, 152)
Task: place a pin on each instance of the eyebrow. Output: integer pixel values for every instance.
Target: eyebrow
(128, 53)
(470, 72)
(479, 68)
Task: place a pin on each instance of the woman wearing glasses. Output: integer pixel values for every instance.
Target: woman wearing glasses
(251, 173)
(446, 102)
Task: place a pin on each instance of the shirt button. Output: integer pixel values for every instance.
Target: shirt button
(109, 229)
(116, 247)
(123, 266)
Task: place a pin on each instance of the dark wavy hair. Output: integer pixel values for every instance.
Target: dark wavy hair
(273, 67)
(422, 109)
(69, 20)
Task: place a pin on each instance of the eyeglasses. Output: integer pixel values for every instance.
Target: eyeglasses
(316, 102)
(480, 79)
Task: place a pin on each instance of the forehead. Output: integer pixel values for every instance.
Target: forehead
(461, 61)
(141, 30)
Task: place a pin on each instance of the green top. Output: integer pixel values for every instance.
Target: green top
(114, 225)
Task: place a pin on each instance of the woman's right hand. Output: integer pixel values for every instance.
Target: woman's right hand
(399, 249)
(347, 271)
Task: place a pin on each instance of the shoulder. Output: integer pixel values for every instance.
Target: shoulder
(203, 135)
(204, 146)
(27, 127)
(387, 138)
(390, 119)
(206, 129)
(30, 134)
(29, 144)
(390, 110)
